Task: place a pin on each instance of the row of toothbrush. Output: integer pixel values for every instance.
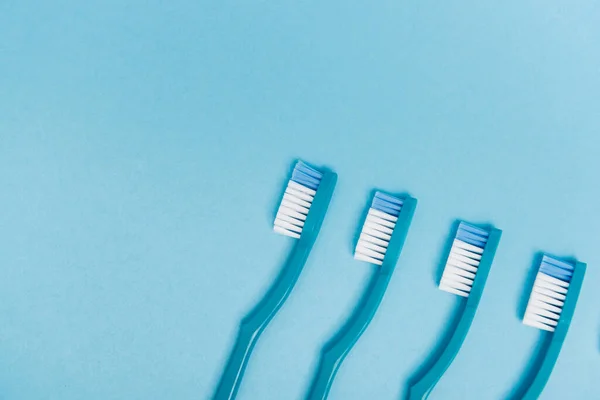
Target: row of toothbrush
(300, 216)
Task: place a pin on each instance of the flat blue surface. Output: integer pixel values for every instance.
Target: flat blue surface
(144, 147)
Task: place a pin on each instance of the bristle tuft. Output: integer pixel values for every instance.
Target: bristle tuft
(297, 199)
(548, 294)
(463, 261)
(378, 228)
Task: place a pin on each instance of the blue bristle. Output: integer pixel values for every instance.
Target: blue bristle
(474, 229)
(472, 235)
(387, 204)
(557, 268)
(306, 175)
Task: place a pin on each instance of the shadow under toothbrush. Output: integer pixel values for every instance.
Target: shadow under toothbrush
(454, 318)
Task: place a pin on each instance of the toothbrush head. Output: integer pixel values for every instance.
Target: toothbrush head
(463, 261)
(549, 293)
(297, 200)
(378, 228)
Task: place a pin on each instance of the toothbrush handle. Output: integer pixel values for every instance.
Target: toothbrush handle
(552, 351)
(421, 389)
(257, 320)
(338, 348)
(549, 356)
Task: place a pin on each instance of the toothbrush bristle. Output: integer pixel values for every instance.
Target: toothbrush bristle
(464, 259)
(377, 229)
(297, 199)
(549, 293)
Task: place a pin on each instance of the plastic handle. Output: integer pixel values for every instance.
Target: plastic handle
(535, 385)
(421, 389)
(252, 325)
(257, 320)
(338, 348)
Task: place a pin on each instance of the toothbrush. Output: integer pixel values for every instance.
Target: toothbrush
(550, 308)
(380, 243)
(300, 216)
(465, 274)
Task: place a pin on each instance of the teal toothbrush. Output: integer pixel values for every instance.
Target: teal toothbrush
(380, 243)
(465, 274)
(300, 216)
(550, 308)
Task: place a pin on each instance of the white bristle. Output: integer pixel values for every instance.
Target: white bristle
(550, 279)
(463, 261)
(372, 246)
(451, 289)
(375, 236)
(302, 188)
(296, 202)
(546, 302)
(474, 250)
(370, 231)
(381, 214)
(362, 257)
(373, 239)
(299, 194)
(294, 206)
(286, 232)
(380, 221)
(461, 268)
(293, 210)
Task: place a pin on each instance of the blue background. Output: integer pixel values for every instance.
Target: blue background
(144, 147)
